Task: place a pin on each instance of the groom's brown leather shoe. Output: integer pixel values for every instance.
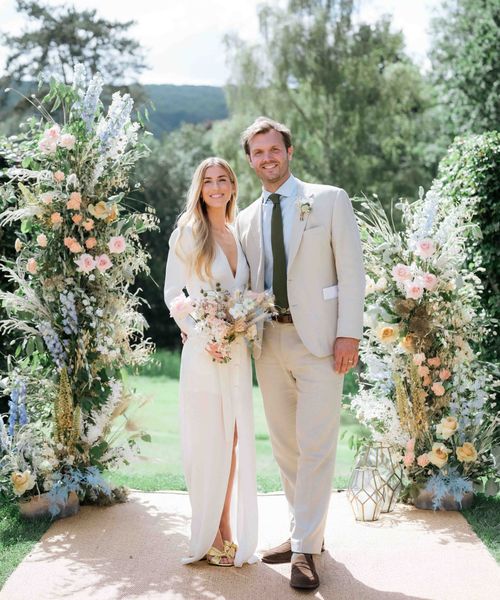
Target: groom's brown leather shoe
(304, 575)
(281, 554)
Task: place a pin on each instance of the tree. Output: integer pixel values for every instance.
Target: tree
(356, 104)
(466, 63)
(63, 37)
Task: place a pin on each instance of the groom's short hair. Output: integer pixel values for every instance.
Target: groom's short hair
(263, 125)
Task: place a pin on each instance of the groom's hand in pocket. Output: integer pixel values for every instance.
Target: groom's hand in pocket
(345, 354)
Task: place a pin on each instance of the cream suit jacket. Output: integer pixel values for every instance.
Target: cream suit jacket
(326, 279)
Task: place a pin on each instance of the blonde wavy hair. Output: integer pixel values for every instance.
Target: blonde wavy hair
(195, 215)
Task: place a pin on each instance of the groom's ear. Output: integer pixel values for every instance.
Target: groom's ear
(249, 160)
(290, 153)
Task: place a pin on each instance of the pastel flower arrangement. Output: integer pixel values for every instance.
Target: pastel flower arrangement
(73, 307)
(224, 317)
(423, 323)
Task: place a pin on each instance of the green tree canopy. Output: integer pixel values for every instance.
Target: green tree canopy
(466, 65)
(356, 104)
(63, 36)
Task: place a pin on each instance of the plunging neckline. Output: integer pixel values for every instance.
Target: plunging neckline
(235, 274)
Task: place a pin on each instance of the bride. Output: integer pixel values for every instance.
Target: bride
(215, 398)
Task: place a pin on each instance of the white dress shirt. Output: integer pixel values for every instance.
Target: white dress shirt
(288, 193)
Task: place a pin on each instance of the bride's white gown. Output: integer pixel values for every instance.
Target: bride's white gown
(214, 398)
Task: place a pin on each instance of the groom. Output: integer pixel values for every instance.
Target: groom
(301, 240)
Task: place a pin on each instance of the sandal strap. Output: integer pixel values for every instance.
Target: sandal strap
(215, 556)
(230, 548)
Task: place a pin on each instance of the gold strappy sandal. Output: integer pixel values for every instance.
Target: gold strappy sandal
(215, 556)
(230, 549)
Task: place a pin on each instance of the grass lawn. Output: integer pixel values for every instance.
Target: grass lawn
(160, 465)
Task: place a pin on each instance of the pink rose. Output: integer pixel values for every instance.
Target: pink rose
(423, 460)
(438, 388)
(52, 133)
(423, 370)
(414, 289)
(47, 197)
(85, 263)
(444, 374)
(59, 176)
(74, 202)
(401, 272)
(429, 281)
(103, 262)
(180, 307)
(47, 146)
(434, 362)
(425, 248)
(42, 240)
(409, 459)
(67, 141)
(419, 358)
(31, 266)
(116, 244)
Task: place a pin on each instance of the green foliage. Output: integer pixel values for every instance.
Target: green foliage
(173, 105)
(165, 177)
(64, 36)
(356, 104)
(484, 518)
(470, 173)
(465, 65)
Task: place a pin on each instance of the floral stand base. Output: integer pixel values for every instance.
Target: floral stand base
(424, 500)
(38, 507)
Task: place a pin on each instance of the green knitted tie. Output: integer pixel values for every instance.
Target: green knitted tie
(279, 256)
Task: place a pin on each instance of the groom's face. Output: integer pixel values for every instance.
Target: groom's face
(269, 158)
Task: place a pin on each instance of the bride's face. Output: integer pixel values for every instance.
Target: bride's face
(217, 187)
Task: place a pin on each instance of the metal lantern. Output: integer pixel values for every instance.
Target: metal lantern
(383, 458)
(366, 493)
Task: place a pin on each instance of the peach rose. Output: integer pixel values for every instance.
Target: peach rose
(75, 248)
(41, 240)
(444, 374)
(419, 358)
(427, 380)
(74, 202)
(423, 370)
(90, 243)
(434, 362)
(467, 453)
(56, 218)
(410, 445)
(31, 266)
(59, 176)
(423, 460)
(99, 210)
(68, 241)
(88, 225)
(438, 388)
(77, 219)
(409, 459)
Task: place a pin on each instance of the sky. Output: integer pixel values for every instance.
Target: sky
(183, 39)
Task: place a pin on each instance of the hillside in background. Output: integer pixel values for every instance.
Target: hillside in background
(176, 104)
(169, 105)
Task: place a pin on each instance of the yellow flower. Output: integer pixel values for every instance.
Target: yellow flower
(112, 214)
(439, 454)
(466, 453)
(388, 334)
(99, 210)
(18, 245)
(407, 343)
(21, 482)
(447, 427)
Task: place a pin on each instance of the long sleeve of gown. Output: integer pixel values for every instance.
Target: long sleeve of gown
(176, 278)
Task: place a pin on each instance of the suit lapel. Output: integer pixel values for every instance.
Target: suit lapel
(298, 224)
(258, 243)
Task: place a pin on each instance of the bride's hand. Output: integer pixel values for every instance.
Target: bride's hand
(213, 350)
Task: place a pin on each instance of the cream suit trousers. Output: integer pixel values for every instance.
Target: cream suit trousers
(302, 399)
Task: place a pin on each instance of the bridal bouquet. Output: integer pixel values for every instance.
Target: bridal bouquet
(223, 316)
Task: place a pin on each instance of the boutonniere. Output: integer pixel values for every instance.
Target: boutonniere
(305, 206)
